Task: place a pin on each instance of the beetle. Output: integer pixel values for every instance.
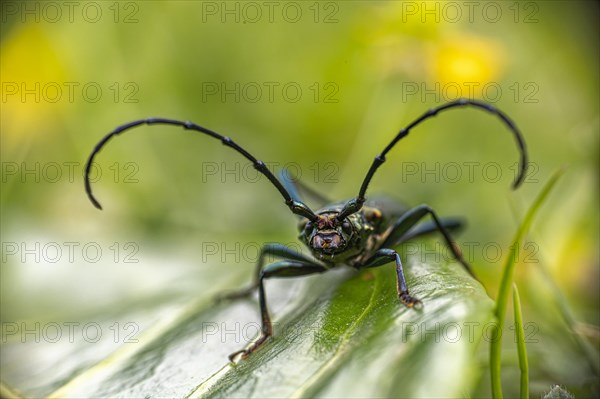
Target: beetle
(358, 232)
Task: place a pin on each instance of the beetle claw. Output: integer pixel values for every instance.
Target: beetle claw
(243, 352)
(410, 301)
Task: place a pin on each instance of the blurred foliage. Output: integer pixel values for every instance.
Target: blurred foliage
(160, 58)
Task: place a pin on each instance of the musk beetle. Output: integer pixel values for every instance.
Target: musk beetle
(360, 233)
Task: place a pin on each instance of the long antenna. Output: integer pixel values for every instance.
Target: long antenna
(296, 207)
(355, 204)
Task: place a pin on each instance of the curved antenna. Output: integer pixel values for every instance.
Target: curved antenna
(296, 207)
(355, 204)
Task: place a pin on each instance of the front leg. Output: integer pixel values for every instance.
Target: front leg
(284, 268)
(274, 250)
(386, 255)
(411, 218)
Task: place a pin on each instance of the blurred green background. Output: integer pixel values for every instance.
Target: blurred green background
(320, 87)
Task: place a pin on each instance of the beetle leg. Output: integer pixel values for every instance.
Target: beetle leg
(410, 218)
(386, 255)
(273, 250)
(284, 268)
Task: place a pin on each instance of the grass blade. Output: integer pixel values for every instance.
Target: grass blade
(521, 347)
(507, 277)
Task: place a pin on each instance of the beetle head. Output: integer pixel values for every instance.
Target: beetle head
(327, 235)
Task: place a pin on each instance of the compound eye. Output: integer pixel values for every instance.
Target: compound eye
(303, 224)
(347, 227)
(308, 227)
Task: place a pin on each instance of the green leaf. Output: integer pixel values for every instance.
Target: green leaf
(365, 343)
(339, 334)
